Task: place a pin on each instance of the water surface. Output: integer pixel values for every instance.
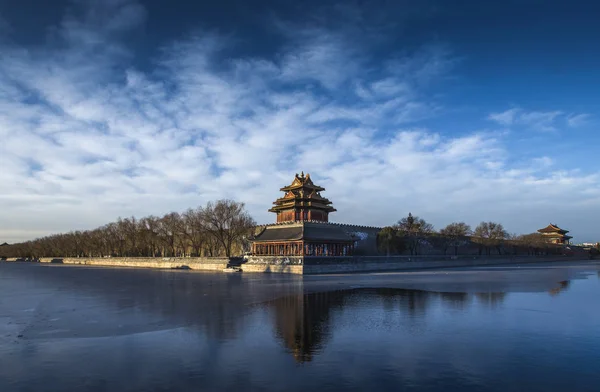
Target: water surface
(494, 329)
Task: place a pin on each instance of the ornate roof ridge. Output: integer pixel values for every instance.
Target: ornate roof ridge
(280, 223)
(552, 227)
(302, 181)
(286, 223)
(353, 225)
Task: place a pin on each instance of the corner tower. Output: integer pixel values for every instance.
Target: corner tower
(302, 202)
(555, 235)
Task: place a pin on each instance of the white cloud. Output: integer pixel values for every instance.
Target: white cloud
(504, 118)
(543, 162)
(578, 120)
(545, 121)
(87, 137)
(318, 57)
(390, 87)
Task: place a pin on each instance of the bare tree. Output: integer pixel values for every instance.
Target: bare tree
(168, 230)
(389, 241)
(533, 242)
(414, 230)
(128, 228)
(150, 234)
(227, 222)
(455, 235)
(490, 234)
(194, 229)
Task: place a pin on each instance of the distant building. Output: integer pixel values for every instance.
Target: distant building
(4, 244)
(555, 235)
(303, 227)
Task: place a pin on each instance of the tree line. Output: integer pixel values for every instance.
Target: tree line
(219, 228)
(412, 234)
(223, 228)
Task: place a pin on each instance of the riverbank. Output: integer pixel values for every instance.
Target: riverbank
(309, 265)
(190, 263)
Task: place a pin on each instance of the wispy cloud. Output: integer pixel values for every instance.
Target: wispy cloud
(4, 28)
(578, 120)
(88, 136)
(546, 121)
(505, 118)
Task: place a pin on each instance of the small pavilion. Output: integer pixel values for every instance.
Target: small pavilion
(555, 235)
(302, 227)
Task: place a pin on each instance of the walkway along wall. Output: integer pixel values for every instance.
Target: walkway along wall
(193, 263)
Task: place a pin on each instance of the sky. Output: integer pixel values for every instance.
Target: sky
(454, 111)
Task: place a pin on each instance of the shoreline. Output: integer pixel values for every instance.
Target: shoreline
(306, 265)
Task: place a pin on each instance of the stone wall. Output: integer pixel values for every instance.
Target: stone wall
(419, 263)
(327, 265)
(366, 238)
(312, 265)
(319, 260)
(193, 263)
(273, 268)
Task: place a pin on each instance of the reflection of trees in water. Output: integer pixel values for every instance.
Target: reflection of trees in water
(562, 286)
(156, 299)
(180, 299)
(490, 299)
(303, 322)
(455, 300)
(413, 302)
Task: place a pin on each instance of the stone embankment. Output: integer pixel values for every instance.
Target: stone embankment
(335, 265)
(310, 265)
(192, 263)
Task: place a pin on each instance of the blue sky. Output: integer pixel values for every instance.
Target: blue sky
(467, 111)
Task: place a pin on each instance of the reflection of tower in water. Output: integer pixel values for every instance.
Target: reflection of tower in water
(562, 286)
(302, 321)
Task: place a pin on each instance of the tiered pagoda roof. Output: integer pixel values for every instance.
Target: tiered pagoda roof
(300, 196)
(553, 229)
(555, 234)
(304, 231)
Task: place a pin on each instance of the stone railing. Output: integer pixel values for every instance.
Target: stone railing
(276, 260)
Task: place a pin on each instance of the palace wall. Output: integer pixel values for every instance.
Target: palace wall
(274, 268)
(310, 265)
(375, 264)
(433, 245)
(436, 245)
(366, 236)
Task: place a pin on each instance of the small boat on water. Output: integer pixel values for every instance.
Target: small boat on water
(232, 269)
